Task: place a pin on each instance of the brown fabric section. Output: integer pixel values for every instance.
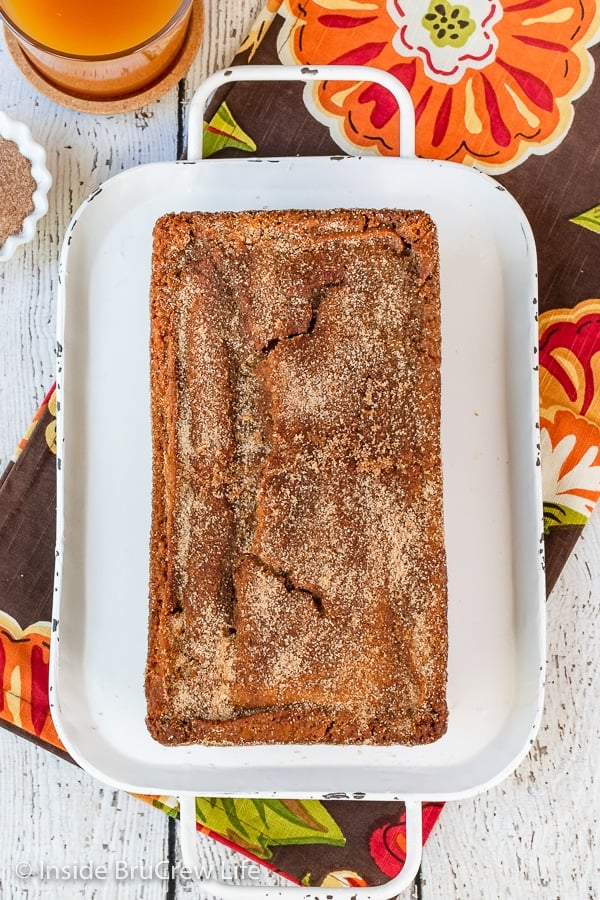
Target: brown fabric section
(27, 531)
(559, 544)
(273, 113)
(551, 190)
(352, 817)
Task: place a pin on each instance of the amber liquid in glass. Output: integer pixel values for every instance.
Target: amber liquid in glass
(90, 27)
(100, 49)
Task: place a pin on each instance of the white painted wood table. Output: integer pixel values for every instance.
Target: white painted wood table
(534, 836)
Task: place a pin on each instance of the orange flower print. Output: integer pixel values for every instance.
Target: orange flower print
(343, 878)
(50, 433)
(570, 359)
(24, 661)
(570, 412)
(492, 81)
(570, 448)
(449, 39)
(260, 27)
(387, 846)
(49, 403)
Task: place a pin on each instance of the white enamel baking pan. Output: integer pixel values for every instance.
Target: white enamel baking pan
(492, 492)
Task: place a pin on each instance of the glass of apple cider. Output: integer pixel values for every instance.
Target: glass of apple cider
(99, 49)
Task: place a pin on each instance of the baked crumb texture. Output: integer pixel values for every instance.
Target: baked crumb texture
(297, 564)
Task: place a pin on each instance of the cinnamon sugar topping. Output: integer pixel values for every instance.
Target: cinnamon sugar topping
(298, 585)
(17, 186)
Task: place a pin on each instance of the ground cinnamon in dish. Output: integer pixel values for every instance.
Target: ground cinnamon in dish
(297, 581)
(17, 186)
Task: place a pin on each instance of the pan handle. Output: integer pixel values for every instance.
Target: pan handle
(228, 891)
(300, 73)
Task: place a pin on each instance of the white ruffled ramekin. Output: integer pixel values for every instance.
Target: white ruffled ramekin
(18, 132)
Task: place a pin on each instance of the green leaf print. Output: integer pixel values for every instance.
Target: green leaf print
(258, 825)
(223, 131)
(589, 219)
(168, 805)
(556, 514)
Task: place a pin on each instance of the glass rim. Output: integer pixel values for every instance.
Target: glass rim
(100, 57)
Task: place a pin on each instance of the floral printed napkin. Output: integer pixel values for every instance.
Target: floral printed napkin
(507, 86)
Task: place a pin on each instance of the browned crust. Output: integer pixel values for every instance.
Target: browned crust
(258, 591)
